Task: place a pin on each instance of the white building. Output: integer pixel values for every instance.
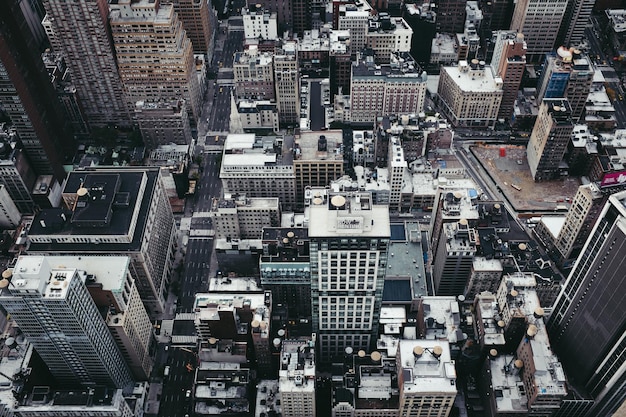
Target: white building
(259, 23)
(296, 378)
(244, 218)
(354, 18)
(53, 308)
(258, 115)
(349, 238)
(259, 167)
(470, 94)
(426, 378)
(387, 35)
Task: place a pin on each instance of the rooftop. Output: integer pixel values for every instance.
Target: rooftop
(247, 151)
(507, 386)
(426, 367)
(348, 214)
(468, 79)
(312, 146)
(297, 366)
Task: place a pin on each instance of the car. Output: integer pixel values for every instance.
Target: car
(188, 394)
(217, 138)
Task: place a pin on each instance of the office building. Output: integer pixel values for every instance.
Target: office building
(349, 238)
(240, 217)
(79, 30)
(454, 259)
(259, 167)
(287, 83)
(114, 211)
(387, 35)
(488, 324)
(450, 16)
(162, 123)
(484, 276)
(259, 23)
(539, 21)
(508, 63)
(568, 74)
(28, 98)
(198, 21)
(398, 167)
(154, 55)
(254, 75)
(9, 214)
(56, 313)
(592, 298)
(580, 219)
(576, 19)
(354, 18)
(258, 115)
(285, 269)
(470, 94)
(113, 289)
(426, 378)
(388, 89)
(318, 160)
(221, 388)
(314, 52)
(16, 174)
(549, 138)
(340, 62)
(368, 386)
(296, 377)
(282, 8)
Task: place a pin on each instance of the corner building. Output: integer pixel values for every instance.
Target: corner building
(58, 316)
(349, 239)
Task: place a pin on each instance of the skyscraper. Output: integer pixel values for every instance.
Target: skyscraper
(287, 82)
(82, 33)
(549, 138)
(568, 74)
(538, 20)
(27, 96)
(58, 316)
(588, 322)
(198, 21)
(575, 21)
(154, 55)
(349, 238)
(508, 62)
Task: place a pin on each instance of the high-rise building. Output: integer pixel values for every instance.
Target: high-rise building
(450, 16)
(470, 94)
(398, 167)
(285, 269)
(114, 211)
(454, 258)
(354, 18)
(583, 214)
(568, 74)
(387, 35)
(9, 214)
(549, 139)
(244, 218)
(58, 316)
(588, 319)
(388, 89)
(426, 378)
(259, 167)
(259, 23)
(163, 123)
(575, 21)
(349, 238)
(508, 62)
(319, 160)
(16, 173)
(287, 84)
(253, 75)
(538, 20)
(282, 8)
(198, 21)
(154, 55)
(82, 35)
(296, 377)
(28, 98)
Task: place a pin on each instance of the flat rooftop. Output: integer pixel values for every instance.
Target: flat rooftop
(309, 149)
(427, 373)
(348, 214)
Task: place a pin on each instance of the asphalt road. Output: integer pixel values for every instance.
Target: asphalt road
(197, 265)
(174, 401)
(220, 115)
(210, 185)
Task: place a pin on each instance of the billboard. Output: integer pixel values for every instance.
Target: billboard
(613, 178)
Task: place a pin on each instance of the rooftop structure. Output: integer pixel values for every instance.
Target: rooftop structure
(426, 377)
(107, 212)
(296, 377)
